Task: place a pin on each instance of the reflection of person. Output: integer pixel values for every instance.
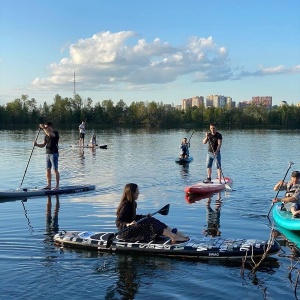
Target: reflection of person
(128, 281)
(81, 133)
(291, 200)
(214, 140)
(51, 142)
(184, 149)
(52, 221)
(93, 142)
(213, 217)
(148, 229)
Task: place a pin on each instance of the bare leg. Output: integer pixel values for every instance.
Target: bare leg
(208, 172)
(48, 176)
(178, 233)
(57, 177)
(219, 175)
(174, 237)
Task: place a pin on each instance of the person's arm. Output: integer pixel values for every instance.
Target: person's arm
(285, 199)
(219, 146)
(280, 184)
(205, 140)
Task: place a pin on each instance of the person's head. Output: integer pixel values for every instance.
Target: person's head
(131, 192)
(184, 141)
(82, 122)
(295, 176)
(212, 127)
(47, 124)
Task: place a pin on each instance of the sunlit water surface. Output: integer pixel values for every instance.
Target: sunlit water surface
(32, 267)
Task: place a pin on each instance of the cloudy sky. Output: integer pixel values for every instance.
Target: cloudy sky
(158, 50)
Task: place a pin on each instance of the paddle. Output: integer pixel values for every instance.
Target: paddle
(290, 164)
(190, 138)
(163, 211)
(226, 185)
(30, 155)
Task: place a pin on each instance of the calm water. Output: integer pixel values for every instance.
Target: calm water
(32, 267)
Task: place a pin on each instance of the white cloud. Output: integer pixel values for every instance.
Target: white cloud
(122, 61)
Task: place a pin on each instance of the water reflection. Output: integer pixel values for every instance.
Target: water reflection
(184, 170)
(93, 151)
(213, 214)
(213, 217)
(52, 219)
(128, 281)
(81, 154)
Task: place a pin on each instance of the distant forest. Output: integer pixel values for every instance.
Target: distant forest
(65, 111)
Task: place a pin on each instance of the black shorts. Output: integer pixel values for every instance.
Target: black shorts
(81, 135)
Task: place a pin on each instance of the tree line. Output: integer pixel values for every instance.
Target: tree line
(66, 111)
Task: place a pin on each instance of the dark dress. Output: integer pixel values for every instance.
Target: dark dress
(145, 231)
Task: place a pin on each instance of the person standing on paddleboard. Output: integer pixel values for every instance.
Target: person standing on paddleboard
(291, 200)
(51, 142)
(81, 134)
(214, 140)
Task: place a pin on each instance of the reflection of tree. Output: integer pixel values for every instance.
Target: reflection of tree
(128, 281)
(213, 217)
(52, 220)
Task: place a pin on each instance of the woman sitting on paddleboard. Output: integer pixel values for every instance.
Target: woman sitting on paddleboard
(148, 229)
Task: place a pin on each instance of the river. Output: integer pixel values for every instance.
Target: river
(32, 267)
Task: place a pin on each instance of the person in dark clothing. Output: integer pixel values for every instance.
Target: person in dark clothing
(214, 140)
(148, 229)
(51, 142)
(184, 149)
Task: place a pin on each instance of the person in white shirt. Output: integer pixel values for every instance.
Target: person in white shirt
(81, 133)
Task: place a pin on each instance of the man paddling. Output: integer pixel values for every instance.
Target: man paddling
(51, 142)
(214, 140)
(291, 200)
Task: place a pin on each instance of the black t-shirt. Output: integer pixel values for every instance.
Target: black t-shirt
(213, 141)
(52, 143)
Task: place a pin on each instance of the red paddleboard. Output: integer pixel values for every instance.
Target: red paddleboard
(212, 187)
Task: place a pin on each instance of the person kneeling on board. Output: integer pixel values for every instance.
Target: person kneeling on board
(93, 142)
(148, 229)
(184, 149)
(291, 200)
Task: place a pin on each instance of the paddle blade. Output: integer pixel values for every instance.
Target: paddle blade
(110, 240)
(165, 210)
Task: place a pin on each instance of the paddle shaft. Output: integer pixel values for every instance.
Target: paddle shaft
(190, 138)
(290, 164)
(30, 155)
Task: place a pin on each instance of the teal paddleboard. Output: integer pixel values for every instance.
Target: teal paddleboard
(284, 218)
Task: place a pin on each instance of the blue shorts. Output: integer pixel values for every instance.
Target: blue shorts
(210, 158)
(52, 161)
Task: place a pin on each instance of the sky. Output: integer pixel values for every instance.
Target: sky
(158, 50)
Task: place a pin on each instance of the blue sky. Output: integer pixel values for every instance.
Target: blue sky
(156, 50)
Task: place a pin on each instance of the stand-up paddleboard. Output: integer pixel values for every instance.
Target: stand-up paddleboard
(292, 236)
(89, 146)
(194, 248)
(182, 161)
(27, 192)
(212, 187)
(284, 218)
